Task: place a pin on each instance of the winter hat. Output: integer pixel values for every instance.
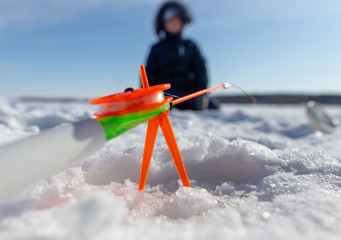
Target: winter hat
(169, 10)
(169, 14)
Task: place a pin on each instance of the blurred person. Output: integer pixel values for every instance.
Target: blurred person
(176, 60)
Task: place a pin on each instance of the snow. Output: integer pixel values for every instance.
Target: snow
(257, 172)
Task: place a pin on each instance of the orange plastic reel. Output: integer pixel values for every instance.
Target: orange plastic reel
(132, 101)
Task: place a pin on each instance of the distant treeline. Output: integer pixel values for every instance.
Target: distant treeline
(260, 98)
(53, 99)
(281, 99)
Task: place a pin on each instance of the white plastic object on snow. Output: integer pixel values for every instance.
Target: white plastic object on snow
(32, 159)
(319, 118)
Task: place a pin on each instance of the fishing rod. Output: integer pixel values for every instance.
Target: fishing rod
(27, 161)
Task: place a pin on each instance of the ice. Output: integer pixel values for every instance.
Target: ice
(257, 172)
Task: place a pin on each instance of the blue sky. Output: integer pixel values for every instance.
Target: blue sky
(90, 48)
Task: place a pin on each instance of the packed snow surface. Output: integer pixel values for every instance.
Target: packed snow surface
(257, 172)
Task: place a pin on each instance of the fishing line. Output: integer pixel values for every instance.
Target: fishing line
(253, 99)
(246, 94)
(168, 94)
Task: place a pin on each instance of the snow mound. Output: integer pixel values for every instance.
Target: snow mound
(257, 172)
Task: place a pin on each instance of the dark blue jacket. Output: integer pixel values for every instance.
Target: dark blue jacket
(177, 61)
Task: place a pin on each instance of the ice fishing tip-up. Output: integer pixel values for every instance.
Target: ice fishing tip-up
(118, 113)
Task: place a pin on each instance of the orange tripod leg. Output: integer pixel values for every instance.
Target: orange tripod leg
(168, 133)
(152, 128)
